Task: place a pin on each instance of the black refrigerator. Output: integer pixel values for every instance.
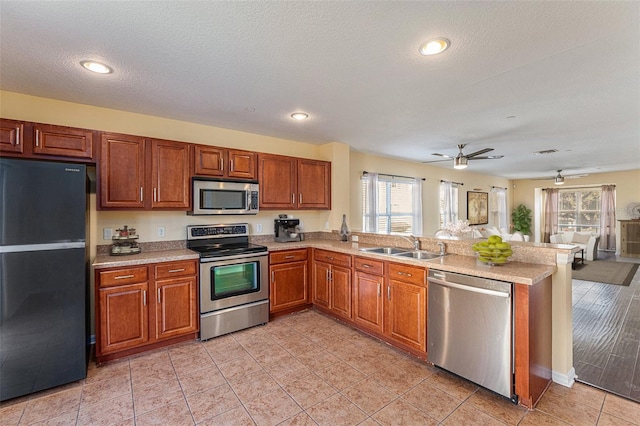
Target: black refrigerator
(43, 275)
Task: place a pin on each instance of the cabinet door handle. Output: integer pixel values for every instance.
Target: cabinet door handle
(293, 198)
(17, 135)
(230, 165)
(173, 271)
(273, 277)
(155, 194)
(379, 289)
(141, 194)
(406, 274)
(221, 164)
(328, 279)
(158, 296)
(37, 137)
(144, 297)
(122, 277)
(300, 198)
(366, 265)
(329, 257)
(389, 292)
(289, 256)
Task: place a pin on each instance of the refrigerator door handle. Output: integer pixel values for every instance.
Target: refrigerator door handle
(41, 247)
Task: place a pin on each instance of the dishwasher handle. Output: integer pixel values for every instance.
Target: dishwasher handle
(469, 288)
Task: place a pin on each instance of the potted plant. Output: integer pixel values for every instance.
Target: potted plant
(521, 219)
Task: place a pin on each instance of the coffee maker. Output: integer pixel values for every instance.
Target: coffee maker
(287, 230)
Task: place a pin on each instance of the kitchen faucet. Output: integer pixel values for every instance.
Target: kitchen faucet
(413, 240)
(443, 248)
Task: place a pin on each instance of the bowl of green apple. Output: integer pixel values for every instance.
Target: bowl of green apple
(492, 252)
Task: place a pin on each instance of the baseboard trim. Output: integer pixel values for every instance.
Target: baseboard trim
(566, 380)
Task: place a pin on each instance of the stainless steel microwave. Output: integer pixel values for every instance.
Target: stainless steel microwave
(214, 197)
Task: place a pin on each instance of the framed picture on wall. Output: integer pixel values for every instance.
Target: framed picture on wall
(477, 208)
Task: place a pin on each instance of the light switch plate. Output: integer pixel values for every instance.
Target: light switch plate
(259, 227)
(161, 231)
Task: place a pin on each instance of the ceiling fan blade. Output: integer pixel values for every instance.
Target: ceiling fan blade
(482, 151)
(441, 155)
(436, 161)
(574, 176)
(488, 157)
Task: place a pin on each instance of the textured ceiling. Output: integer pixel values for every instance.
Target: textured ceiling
(568, 71)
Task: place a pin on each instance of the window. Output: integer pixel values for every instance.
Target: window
(579, 209)
(448, 203)
(391, 204)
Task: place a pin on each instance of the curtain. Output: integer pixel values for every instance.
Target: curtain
(550, 214)
(608, 218)
(498, 203)
(417, 206)
(448, 208)
(370, 204)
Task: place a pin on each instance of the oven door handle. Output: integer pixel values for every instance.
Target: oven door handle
(234, 257)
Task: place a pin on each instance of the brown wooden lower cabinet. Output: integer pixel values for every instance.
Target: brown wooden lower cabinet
(532, 332)
(143, 307)
(332, 282)
(288, 281)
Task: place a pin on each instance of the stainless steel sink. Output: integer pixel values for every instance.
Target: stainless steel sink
(384, 250)
(419, 254)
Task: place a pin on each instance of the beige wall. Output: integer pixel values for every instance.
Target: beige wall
(430, 187)
(627, 190)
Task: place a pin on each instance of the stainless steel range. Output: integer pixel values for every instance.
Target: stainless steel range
(234, 286)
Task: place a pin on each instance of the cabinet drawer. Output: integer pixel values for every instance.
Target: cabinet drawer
(339, 259)
(408, 274)
(175, 269)
(287, 256)
(117, 277)
(370, 266)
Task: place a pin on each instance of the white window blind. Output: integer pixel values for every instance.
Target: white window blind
(391, 204)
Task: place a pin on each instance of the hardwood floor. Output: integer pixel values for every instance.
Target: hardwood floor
(606, 334)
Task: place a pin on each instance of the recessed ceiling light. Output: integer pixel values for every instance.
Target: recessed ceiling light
(96, 67)
(299, 116)
(434, 46)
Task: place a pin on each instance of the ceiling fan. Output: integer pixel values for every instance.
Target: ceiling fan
(460, 161)
(559, 178)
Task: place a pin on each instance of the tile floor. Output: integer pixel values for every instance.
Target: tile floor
(303, 369)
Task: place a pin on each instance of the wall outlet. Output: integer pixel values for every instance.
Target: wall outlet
(161, 231)
(107, 233)
(259, 227)
(354, 238)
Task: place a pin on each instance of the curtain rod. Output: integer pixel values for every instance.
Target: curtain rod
(499, 187)
(457, 183)
(364, 172)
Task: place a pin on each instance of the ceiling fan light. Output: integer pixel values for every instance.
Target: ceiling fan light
(559, 180)
(460, 162)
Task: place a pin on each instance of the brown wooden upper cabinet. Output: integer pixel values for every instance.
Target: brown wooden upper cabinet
(46, 141)
(139, 173)
(62, 141)
(224, 163)
(294, 183)
(11, 136)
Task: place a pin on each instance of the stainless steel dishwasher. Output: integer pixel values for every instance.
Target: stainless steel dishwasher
(470, 329)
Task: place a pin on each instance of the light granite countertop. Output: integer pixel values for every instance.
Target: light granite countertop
(518, 272)
(107, 261)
